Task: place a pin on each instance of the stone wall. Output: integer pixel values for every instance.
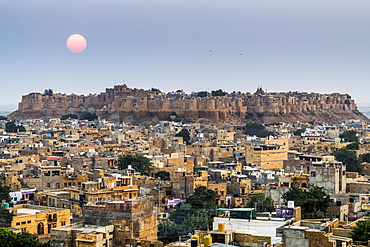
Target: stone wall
(121, 102)
(134, 218)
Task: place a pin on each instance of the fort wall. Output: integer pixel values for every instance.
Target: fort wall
(120, 102)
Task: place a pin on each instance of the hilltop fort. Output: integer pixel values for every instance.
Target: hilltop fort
(139, 105)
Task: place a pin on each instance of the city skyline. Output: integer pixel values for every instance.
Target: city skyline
(195, 46)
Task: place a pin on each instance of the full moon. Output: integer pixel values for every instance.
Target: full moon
(76, 43)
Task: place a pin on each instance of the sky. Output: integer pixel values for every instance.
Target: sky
(193, 45)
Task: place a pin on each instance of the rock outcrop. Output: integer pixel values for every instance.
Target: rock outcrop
(138, 105)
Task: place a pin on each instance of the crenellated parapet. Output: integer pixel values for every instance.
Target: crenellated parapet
(122, 101)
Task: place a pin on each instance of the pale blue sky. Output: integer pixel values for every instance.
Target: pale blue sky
(285, 45)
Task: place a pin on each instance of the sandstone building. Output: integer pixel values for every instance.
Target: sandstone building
(122, 102)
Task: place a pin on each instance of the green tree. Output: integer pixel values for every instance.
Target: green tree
(137, 162)
(218, 93)
(256, 129)
(203, 198)
(165, 176)
(352, 146)
(9, 238)
(361, 232)
(69, 116)
(202, 94)
(313, 201)
(364, 158)
(298, 132)
(88, 116)
(182, 222)
(3, 118)
(349, 136)
(48, 92)
(184, 133)
(349, 158)
(11, 127)
(263, 203)
(4, 192)
(6, 217)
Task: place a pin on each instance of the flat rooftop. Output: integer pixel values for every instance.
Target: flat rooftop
(84, 228)
(27, 211)
(259, 227)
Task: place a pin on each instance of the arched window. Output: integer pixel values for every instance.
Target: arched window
(40, 228)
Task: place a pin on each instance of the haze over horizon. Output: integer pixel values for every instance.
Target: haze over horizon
(285, 45)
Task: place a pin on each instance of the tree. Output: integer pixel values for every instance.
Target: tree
(202, 94)
(4, 193)
(349, 136)
(361, 232)
(218, 93)
(6, 217)
(137, 162)
(263, 203)
(203, 198)
(256, 129)
(3, 118)
(9, 238)
(165, 176)
(352, 146)
(48, 92)
(11, 127)
(364, 158)
(69, 116)
(182, 222)
(313, 201)
(298, 132)
(88, 116)
(184, 133)
(349, 158)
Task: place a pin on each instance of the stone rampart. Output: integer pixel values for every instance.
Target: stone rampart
(122, 102)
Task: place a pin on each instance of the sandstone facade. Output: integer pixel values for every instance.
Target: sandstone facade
(122, 103)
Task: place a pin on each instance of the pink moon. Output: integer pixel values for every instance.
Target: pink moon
(76, 43)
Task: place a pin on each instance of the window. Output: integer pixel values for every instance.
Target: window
(23, 222)
(313, 174)
(48, 185)
(28, 222)
(63, 223)
(18, 223)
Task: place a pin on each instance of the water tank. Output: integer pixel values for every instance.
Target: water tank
(207, 241)
(221, 227)
(196, 237)
(5, 205)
